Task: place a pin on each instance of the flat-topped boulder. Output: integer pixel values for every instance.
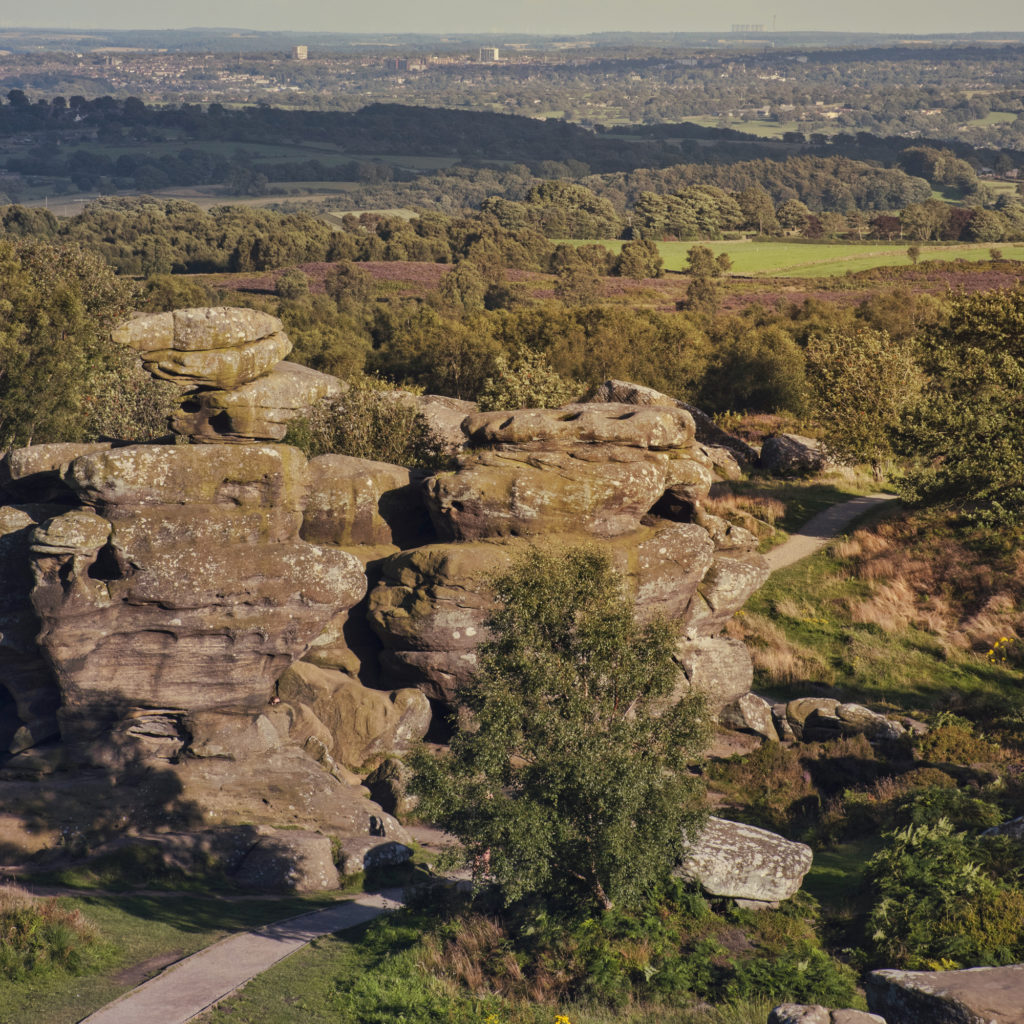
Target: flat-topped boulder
(977, 995)
(655, 428)
(255, 411)
(215, 347)
(745, 863)
(196, 329)
(353, 501)
(36, 473)
(144, 474)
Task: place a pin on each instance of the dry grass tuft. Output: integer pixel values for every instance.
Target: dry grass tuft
(778, 657)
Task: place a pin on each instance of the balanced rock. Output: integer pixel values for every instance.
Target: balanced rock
(746, 863)
(977, 995)
(207, 347)
(259, 410)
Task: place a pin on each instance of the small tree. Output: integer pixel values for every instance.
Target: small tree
(572, 784)
(526, 381)
(914, 252)
(861, 384)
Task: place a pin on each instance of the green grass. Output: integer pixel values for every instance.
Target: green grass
(131, 930)
(994, 117)
(836, 873)
(809, 259)
(907, 670)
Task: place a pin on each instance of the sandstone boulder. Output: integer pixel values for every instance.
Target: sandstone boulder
(707, 431)
(36, 473)
(196, 330)
(291, 861)
(747, 863)
(749, 713)
(790, 455)
(388, 785)
(365, 854)
(978, 995)
(719, 668)
(209, 347)
(731, 579)
(594, 469)
(361, 722)
(793, 1013)
(255, 411)
(444, 417)
(354, 501)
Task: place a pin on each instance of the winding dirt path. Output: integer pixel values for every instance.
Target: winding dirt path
(817, 532)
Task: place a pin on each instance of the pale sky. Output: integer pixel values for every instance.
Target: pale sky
(533, 16)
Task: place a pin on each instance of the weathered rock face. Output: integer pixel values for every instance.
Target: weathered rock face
(292, 861)
(430, 607)
(217, 347)
(183, 582)
(29, 696)
(734, 452)
(258, 410)
(746, 863)
(359, 721)
(717, 667)
(750, 713)
(358, 502)
(584, 469)
(978, 995)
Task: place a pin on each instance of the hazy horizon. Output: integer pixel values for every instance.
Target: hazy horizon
(562, 17)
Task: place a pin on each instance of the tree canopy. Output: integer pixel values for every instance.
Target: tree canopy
(570, 783)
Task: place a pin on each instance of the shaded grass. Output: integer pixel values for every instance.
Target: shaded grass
(130, 930)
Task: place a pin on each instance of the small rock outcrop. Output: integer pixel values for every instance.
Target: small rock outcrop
(797, 1013)
(977, 995)
(745, 863)
(790, 455)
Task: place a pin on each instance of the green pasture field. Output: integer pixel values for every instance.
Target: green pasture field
(763, 129)
(797, 259)
(995, 117)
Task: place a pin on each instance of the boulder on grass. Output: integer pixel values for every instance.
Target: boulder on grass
(745, 863)
(790, 455)
(294, 860)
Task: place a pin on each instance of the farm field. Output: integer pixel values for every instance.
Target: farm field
(797, 259)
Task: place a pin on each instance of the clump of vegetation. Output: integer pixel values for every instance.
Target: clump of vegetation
(935, 906)
(39, 934)
(526, 381)
(370, 420)
(571, 787)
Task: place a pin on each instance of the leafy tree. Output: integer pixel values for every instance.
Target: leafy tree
(526, 381)
(569, 785)
(578, 284)
(57, 308)
(639, 260)
(861, 384)
(292, 284)
(967, 431)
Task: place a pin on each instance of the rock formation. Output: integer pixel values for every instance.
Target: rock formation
(977, 995)
(218, 631)
(795, 1013)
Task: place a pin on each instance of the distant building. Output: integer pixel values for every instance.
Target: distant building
(748, 28)
(300, 53)
(488, 54)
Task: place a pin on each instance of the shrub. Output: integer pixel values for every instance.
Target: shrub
(954, 741)
(526, 381)
(369, 421)
(934, 903)
(36, 934)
